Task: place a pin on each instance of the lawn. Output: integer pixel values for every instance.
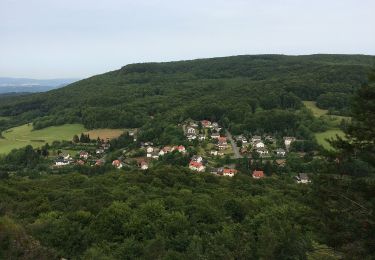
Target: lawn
(320, 137)
(105, 133)
(21, 136)
(316, 110)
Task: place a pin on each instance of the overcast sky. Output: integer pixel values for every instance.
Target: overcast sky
(80, 38)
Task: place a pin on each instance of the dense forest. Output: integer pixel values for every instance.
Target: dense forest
(170, 212)
(237, 91)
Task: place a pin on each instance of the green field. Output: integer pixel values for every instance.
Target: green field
(321, 137)
(332, 120)
(316, 110)
(21, 136)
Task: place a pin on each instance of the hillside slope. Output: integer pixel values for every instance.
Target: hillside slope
(230, 88)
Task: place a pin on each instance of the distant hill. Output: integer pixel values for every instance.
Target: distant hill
(237, 91)
(8, 85)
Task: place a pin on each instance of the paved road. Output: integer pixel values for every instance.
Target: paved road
(236, 151)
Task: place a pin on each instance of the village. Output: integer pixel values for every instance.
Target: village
(215, 151)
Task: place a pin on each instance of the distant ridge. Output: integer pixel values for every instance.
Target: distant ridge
(17, 85)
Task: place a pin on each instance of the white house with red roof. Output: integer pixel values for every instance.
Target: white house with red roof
(222, 143)
(165, 150)
(144, 165)
(83, 155)
(206, 124)
(196, 166)
(117, 164)
(180, 148)
(258, 174)
(229, 172)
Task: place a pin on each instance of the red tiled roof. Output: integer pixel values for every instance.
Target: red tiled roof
(258, 174)
(116, 163)
(195, 164)
(229, 171)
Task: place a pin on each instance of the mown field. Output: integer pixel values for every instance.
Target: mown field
(21, 136)
(105, 133)
(332, 120)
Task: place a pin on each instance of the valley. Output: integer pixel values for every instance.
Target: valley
(219, 158)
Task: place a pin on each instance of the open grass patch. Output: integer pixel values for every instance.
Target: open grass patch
(329, 134)
(23, 135)
(314, 109)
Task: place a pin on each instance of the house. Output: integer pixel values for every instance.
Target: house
(197, 158)
(302, 178)
(258, 174)
(280, 152)
(288, 140)
(61, 161)
(83, 155)
(281, 162)
(241, 138)
(117, 164)
(165, 150)
(144, 165)
(149, 149)
(196, 166)
(213, 152)
(106, 146)
(222, 144)
(229, 172)
(66, 157)
(99, 162)
(256, 138)
(190, 130)
(215, 125)
(259, 144)
(206, 124)
(201, 137)
(131, 133)
(262, 151)
(181, 149)
(215, 135)
(191, 137)
(99, 151)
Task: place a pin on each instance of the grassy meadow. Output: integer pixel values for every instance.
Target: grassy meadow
(329, 134)
(333, 122)
(23, 135)
(314, 109)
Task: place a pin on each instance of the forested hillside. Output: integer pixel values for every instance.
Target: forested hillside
(104, 205)
(237, 91)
